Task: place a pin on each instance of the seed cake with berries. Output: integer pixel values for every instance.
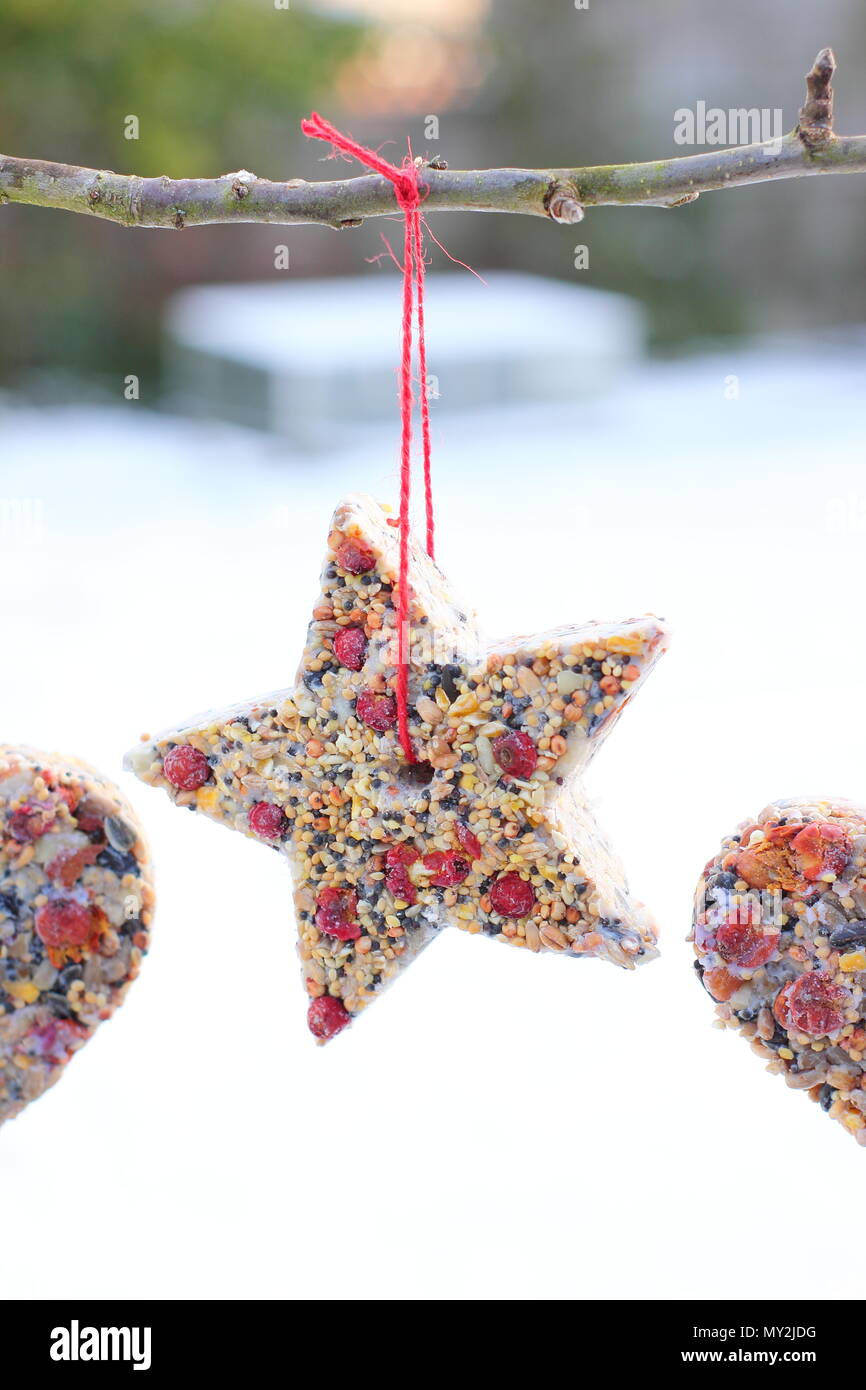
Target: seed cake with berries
(76, 901)
(779, 933)
(487, 829)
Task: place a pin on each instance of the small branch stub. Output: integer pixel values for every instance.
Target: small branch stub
(562, 205)
(242, 181)
(815, 126)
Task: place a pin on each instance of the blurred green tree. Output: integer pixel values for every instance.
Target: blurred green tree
(213, 84)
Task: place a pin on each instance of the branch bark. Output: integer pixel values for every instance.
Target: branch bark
(559, 194)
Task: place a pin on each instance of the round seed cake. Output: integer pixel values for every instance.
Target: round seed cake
(779, 932)
(76, 901)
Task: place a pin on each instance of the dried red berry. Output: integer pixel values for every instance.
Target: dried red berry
(355, 558)
(398, 882)
(68, 867)
(327, 1016)
(821, 848)
(401, 854)
(335, 913)
(350, 647)
(748, 946)
(186, 767)
(71, 795)
(467, 841)
(813, 1004)
(512, 896)
(448, 867)
(779, 834)
(53, 1042)
(516, 754)
(64, 922)
(721, 984)
(377, 711)
(267, 820)
(29, 822)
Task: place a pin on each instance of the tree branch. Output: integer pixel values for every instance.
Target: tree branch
(560, 194)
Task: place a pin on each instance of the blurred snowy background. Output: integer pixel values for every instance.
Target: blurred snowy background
(499, 1126)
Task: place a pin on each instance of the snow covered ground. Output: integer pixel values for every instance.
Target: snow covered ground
(498, 1125)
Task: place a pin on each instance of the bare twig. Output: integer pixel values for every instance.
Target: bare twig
(560, 194)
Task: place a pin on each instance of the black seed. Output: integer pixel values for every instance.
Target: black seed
(118, 863)
(850, 934)
(58, 1005)
(418, 774)
(9, 903)
(449, 674)
(779, 1039)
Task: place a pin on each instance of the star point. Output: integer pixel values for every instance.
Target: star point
(488, 830)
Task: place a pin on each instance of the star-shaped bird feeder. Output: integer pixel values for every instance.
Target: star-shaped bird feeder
(488, 829)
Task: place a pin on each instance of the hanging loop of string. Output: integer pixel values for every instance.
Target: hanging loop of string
(408, 195)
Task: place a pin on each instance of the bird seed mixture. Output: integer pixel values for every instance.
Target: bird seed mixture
(76, 901)
(779, 933)
(488, 830)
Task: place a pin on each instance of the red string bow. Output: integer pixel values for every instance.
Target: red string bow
(408, 194)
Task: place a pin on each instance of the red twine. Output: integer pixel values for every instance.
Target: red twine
(408, 195)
